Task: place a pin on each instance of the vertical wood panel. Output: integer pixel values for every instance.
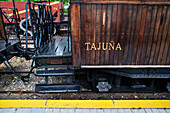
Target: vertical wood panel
(98, 31)
(93, 35)
(88, 31)
(166, 56)
(136, 34)
(103, 32)
(155, 36)
(134, 17)
(118, 23)
(108, 27)
(113, 32)
(75, 34)
(146, 34)
(127, 38)
(123, 33)
(164, 38)
(151, 33)
(83, 36)
(141, 35)
(162, 24)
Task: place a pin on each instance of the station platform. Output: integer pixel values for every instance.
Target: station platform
(33, 110)
(84, 106)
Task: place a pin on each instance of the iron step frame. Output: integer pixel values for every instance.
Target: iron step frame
(60, 87)
(66, 72)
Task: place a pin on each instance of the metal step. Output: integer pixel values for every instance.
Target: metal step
(53, 56)
(66, 72)
(60, 87)
(55, 66)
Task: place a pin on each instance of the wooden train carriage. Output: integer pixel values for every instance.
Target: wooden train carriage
(125, 33)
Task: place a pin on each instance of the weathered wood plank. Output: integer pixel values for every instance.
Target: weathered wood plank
(136, 33)
(108, 27)
(75, 33)
(161, 28)
(155, 36)
(98, 31)
(103, 33)
(134, 17)
(88, 31)
(83, 37)
(113, 31)
(151, 33)
(127, 38)
(93, 33)
(119, 15)
(164, 38)
(123, 33)
(166, 56)
(146, 34)
(141, 34)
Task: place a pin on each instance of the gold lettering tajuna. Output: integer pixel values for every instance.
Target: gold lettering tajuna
(103, 46)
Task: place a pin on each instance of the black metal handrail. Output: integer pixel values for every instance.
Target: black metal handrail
(41, 24)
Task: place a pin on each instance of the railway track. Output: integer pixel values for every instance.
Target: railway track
(83, 96)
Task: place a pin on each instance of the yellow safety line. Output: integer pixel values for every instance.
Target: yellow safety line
(23, 11)
(84, 103)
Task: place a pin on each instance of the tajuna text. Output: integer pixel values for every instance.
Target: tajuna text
(103, 46)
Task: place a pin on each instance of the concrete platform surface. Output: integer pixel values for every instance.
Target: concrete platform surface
(43, 110)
